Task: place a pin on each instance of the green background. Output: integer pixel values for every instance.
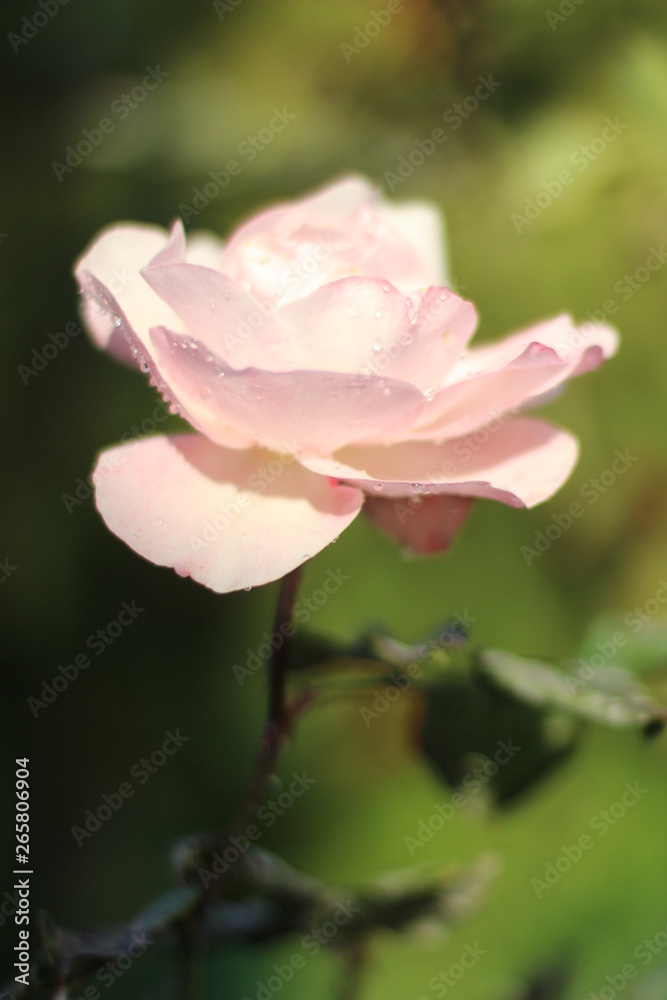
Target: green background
(355, 111)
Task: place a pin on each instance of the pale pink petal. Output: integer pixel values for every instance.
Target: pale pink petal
(325, 208)
(222, 316)
(525, 369)
(469, 405)
(228, 519)
(204, 248)
(109, 274)
(440, 328)
(293, 410)
(421, 524)
(337, 327)
(421, 226)
(584, 346)
(520, 462)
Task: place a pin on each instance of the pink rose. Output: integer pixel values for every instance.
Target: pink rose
(324, 362)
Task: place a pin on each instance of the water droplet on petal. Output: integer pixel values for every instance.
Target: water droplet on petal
(378, 487)
(117, 320)
(386, 287)
(377, 344)
(378, 314)
(247, 589)
(160, 521)
(429, 393)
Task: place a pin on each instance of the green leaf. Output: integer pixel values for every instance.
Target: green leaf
(613, 698)
(489, 744)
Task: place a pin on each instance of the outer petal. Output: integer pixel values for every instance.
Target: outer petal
(520, 462)
(425, 525)
(115, 259)
(289, 411)
(583, 347)
(526, 368)
(229, 519)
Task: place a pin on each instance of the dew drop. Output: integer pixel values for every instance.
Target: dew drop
(134, 534)
(386, 287)
(429, 394)
(378, 314)
(117, 320)
(378, 487)
(160, 521)
(145, 368)
(247, 589)
(377, 344)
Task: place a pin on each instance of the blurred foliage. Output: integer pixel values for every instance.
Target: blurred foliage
(559, 82)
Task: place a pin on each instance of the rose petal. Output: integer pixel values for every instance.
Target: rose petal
(421, 225)
(114, 260)
(442, 324)
(525, 369)
(570, 342)
(428, 527)
(222, 316)
(229, 519)
(295, 410)
(521, 463)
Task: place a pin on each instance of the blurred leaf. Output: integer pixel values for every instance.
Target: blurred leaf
(482, 739)
(614, 700)
(626, 640)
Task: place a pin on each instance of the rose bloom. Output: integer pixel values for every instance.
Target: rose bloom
(323, 362)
